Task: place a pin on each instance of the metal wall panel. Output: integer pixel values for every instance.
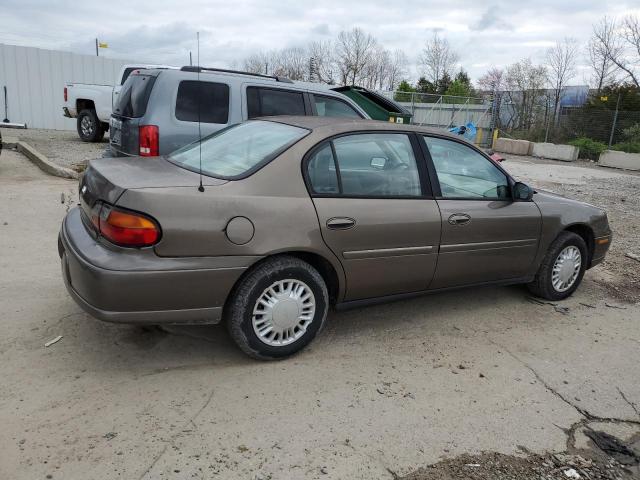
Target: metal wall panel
(35, 80)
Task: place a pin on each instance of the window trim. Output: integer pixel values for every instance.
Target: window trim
(175, 103)
(305, 100)
(433, 174)
(425, 184)
(314, 110)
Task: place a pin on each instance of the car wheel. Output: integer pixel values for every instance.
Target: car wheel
(278, 308)
(89, 127)
(562, 268)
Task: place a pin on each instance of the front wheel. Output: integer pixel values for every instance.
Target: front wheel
(278, 308)
(90, 128)
(562, 268)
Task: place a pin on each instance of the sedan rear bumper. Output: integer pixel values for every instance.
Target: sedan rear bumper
(136, 286)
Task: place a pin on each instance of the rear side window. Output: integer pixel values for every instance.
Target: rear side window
(322, 171)
(212, 99)
(134, 96)
(264, 102)
(332, 107)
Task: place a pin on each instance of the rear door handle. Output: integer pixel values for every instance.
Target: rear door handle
(340, 223)
(459, 219)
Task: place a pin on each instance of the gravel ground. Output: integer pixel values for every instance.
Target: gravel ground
(62, 147)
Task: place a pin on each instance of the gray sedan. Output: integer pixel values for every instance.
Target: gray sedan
(266, 224)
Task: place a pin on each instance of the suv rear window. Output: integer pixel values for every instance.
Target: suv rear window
(134, 96)
(264, 102)
(239, 149)
(213, 99)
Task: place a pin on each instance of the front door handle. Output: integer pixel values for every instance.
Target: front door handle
(459, 219)
(340, 223)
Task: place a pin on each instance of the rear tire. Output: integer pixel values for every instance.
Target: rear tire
(559, 274)
(277, 309)
(89, 127)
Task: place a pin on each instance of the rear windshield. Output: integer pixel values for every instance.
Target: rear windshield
(133, 98)
(239, 149)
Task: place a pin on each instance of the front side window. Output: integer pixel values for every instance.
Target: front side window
(332, 107)
(370, 165)
(212, 100)
(236, 150)
(264, 102)
(464, 173)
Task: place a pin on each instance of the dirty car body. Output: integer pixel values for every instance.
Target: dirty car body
(299, 213)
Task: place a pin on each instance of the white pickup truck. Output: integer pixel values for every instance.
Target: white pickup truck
(92, 104)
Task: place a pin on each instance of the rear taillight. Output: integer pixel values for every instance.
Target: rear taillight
(125, 227)
(149, 141)
(65, 94)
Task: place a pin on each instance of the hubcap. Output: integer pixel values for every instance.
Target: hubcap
(86, 125)
(566, 269)
(283, 312)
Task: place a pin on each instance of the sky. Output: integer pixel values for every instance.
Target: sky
(484, 34)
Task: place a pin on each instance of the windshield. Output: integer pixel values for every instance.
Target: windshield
(236, 150)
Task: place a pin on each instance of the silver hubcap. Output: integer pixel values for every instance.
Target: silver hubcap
(566, 269)
(283, 312)
(86, 125)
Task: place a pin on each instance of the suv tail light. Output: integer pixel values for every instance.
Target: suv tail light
(149, 140)
(125, 227)
(65, 94)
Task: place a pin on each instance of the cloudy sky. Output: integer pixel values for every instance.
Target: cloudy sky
(484, 34)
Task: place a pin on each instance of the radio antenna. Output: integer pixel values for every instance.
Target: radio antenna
(200, 187)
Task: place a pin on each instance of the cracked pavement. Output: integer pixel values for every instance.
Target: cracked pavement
(384, 390)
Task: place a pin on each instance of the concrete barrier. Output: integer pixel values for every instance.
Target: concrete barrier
(514, 147)
(566, 153)
(44, 163)
(612, 158)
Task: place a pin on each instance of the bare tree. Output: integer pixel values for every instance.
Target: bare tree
(353, 53)
(561, 59)
(631, 34)
(525, 83)
(620, 42)
(492, 81)
(437, 58)
(292, 63)
(261, 62)
(397, 69)
(322, 58)
(600, 43)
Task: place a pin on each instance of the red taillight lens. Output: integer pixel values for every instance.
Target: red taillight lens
(65, 94)
(128, 229)
(149, 140)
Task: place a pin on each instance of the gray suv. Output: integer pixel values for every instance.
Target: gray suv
(158, 109)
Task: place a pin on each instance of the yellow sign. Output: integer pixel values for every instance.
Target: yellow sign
(604, 99)
(103, 45)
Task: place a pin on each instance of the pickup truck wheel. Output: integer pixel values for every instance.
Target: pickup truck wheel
(89, 126)
(562, 268)
(277, 309)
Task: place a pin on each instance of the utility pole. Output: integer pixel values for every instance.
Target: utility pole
(615, 119)
(190, 59)
(97, 47)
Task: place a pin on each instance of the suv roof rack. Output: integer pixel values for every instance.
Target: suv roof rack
(190, 68)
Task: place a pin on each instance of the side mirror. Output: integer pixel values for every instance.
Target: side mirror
(378, 162)
(522, 192)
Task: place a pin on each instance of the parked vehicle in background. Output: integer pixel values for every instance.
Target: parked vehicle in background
(92, 104)
(299, 213)
(159, 111)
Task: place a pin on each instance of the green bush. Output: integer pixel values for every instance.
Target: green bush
(588, 148)
(629, 147)
(632, 134)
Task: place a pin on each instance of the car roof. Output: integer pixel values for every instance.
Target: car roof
(335, 125)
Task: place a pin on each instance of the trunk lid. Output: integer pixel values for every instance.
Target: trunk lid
(106, 179)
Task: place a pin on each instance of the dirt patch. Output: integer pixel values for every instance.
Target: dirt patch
(496, 466)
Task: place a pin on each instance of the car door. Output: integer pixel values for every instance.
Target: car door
(376, 211)
(486, 236)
